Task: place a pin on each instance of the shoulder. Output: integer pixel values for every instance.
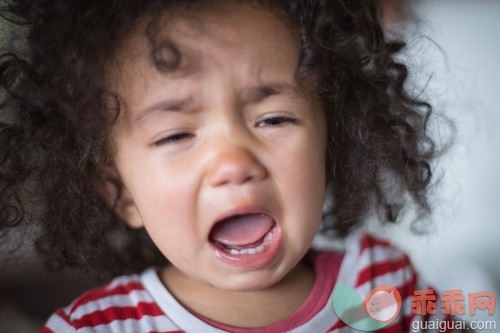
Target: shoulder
(370, 262)
(372, 259)
(124, 298)
(365, 257)
(367, 262)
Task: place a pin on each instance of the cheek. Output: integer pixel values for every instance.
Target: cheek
(169, 216)
(312, 158)
(169, 196)
(304, 170)
(313, 174)
(163, 191)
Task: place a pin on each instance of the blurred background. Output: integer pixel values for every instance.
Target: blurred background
(454, 54)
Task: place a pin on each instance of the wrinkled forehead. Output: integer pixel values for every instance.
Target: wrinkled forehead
(180, 41)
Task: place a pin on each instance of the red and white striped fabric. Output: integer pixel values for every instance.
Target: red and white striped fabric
(141, 303)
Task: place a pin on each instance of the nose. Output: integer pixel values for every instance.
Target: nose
(233, 164)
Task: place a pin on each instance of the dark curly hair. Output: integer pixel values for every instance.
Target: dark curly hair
(55, 121)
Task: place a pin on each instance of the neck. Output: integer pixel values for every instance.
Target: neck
(243, 308)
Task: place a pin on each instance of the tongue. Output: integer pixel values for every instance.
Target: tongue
(242, 230)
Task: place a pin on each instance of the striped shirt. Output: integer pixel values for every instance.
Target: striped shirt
(141, 303)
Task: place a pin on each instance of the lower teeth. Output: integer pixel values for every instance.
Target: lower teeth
(253, 250)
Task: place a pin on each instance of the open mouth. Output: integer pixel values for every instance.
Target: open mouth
(246, 234)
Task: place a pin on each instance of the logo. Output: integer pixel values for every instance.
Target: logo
(379, 308)
(382, 305)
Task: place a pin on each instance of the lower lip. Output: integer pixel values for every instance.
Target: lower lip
(252, 261)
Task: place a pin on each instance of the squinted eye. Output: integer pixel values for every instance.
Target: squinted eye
(276, 121)
(172, 139)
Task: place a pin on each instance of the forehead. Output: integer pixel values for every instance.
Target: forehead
(232, 50)
(189, 40)
(233, 23)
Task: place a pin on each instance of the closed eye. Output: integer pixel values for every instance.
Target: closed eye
(276, 121)
(174, 138)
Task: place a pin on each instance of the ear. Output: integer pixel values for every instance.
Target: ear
(126, 209)
(120, 199)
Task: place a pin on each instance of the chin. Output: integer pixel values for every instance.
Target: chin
(248, 281)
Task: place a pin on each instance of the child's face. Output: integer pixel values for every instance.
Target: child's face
(228, 133)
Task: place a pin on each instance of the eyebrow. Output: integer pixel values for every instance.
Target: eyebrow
(171, 105)
(260, 92)
(250, 95)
